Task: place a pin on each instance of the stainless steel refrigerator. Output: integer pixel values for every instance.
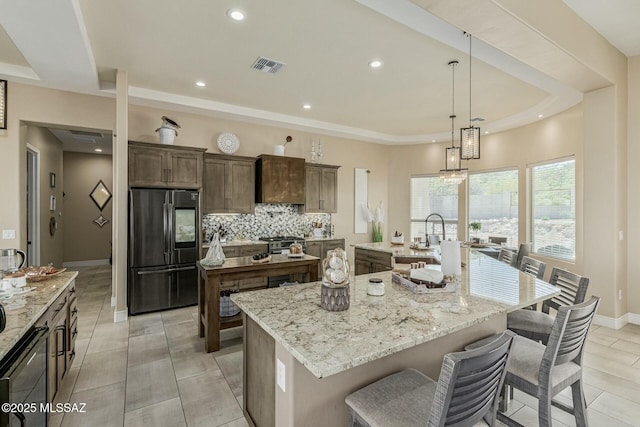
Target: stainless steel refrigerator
(164, 235)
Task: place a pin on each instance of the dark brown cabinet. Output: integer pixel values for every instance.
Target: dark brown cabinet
(154, 165)
(319, 248)
(229, 184)
(321, 188)
(72, 322)
(58, 330)
(369, 261)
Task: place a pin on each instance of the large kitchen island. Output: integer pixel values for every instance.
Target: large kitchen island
(301, 361)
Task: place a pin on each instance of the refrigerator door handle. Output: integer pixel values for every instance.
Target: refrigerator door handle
(170, 235)
(168, 270)
(165, 222)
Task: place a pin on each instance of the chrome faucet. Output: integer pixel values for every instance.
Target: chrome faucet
(426, 222)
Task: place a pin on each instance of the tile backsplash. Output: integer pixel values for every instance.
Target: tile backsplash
(267, 220)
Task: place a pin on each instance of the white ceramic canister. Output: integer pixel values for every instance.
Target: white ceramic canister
(375, 287)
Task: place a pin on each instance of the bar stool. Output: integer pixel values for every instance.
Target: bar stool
(537, 325)
(544, 371)
(507, 256)
(533, 267)
(465, 394)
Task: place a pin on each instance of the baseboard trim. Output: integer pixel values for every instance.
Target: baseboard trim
(120, 316)
(612, 323)
(633, 318)
(86, 263)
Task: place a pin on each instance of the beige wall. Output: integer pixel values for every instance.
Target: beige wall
(556, 137)
(35, 105)
(391, 167)
(201, 131)
(84, 239)
(50, 149)
(633, 195)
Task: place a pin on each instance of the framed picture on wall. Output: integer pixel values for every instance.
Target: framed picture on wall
(100, 195)
(52, 179)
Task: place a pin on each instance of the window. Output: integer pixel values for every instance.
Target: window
(553, 197)
(493, 203)
(430, 195)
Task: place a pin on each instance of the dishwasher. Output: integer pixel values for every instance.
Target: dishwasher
(23, 381)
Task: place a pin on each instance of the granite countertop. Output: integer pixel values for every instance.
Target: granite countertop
(401, 250)
(373, 327)
(237, 243)
(321, 239)
(246, 261)
(20, 320)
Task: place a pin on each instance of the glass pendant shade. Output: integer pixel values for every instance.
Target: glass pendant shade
(453, 176)
(470, 143)
(452, 160)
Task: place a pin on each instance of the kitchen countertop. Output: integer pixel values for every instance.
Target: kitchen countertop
(400, 250)
(238, 243)
(20, 320)
(327, 343)
(321, 239)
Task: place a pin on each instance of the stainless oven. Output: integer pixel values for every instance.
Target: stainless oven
(278, 244)
(23, 381)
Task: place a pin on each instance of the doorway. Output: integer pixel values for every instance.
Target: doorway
(33, 205)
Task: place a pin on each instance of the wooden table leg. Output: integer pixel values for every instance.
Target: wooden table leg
(201, 302)
(212, 315)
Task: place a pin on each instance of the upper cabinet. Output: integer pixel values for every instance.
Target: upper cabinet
(321, 188)
(155, 165)
(229, 184)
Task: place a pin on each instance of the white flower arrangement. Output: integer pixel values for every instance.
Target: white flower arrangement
(376, 218)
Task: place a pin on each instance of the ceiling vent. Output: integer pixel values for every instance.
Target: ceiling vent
(267, 65)
(477, 119)
(84, 135)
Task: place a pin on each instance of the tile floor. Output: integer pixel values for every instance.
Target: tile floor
(152, 371)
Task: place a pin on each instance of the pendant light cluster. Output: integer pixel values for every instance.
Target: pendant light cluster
(469, 148)
(453, 172)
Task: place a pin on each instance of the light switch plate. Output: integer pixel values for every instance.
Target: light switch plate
(280, 374)
(8, 234)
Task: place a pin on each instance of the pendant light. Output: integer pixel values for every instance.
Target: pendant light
(470, 136)
(453, 172)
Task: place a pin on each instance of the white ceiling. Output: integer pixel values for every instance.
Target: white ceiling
(84, 141)
(616, 20)
(165, 46)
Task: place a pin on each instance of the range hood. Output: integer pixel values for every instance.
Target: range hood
(280, 179)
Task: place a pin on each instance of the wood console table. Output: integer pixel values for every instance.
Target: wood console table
(211, 278)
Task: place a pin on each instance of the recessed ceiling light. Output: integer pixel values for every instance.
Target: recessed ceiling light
(540, 116)
(307, 106)
(375, 63)
(236, 14)
(433, 140)
(200, 83)
(98, 150)
(486, 132)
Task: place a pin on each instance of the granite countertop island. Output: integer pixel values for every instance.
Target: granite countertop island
(20, 320)
(330, 354)
(328, 343)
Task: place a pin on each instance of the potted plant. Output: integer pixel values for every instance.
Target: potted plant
(475, 227)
